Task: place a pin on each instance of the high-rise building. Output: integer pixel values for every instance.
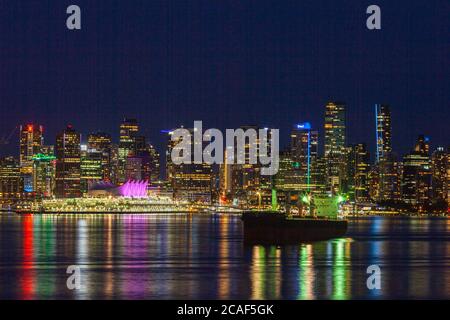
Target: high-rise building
(68, 164)
(247, 183)
(154, 165)
(361, 173)
(439, 168)
(335, 143)
(129, 129)
(11, 182)
(383, 130)
(374, 183)
(44, 166)
(288, 176)
(448, 176)
(91, 167)
(386, 160)
(188, 181)
(31, 141)
(304, 152)
(101, 142)
(416, 182)
(389, 181)
(134, 168)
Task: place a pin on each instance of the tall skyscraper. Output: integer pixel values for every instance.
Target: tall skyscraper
(389, 182)
(101, 142)
(439, 164)
(361, 173)
(247, 183)
(68, 163)
(383, 130)
(91, 167)
(31, 141)
(11, 182)
(386, 160)
(129, 129)
(304, 152)
(154, 165)
(416, 183)
(44, 166)
(335, 143)
(189, 181)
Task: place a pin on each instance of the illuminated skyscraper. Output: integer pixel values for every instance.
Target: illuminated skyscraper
(11, 182)
(439, 165)
(189, 181)
(383, 130)
(448, 176)
(247, 183)
(91, 168)
(361, 173)
(154, 166)
(335, 143)
(68, 164)
(389, 173)
(304, 152)
(44, 166)
(31, 141)
(102, 143)
(288, 176)
(129, 129)
(416, 183)
(386, 160)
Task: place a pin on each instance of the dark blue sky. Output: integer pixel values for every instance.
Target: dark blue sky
(228, 63)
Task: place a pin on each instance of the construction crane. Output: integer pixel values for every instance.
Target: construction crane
(6, 139)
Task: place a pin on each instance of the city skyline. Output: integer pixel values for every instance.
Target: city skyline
(71, 169)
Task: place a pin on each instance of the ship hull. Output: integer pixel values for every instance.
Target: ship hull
(276, 229)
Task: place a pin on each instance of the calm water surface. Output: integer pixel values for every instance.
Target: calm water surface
(203, 257)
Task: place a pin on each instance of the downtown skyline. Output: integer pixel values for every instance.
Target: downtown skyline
(341, 168)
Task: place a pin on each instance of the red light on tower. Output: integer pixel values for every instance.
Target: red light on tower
(30, 128)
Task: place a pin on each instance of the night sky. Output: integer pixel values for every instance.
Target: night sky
(228, 63)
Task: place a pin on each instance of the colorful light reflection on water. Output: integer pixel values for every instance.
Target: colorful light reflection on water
(202, 256)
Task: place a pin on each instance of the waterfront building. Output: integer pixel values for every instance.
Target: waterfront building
(335, 143)
(11, 182)
(129, 129)
(304, 152)
(91, 169)
(30, 144)
(68, 161)
(248, 186)
(416, 183)
(361, 162)
(154, 163)
(389, 182)
(448, 176)
(102, 143)
(439, 180)
(288, 176)
(44, 167)
(374, 183)
(191, 182)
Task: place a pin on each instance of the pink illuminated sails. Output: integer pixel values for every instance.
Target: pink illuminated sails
(134, 189)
